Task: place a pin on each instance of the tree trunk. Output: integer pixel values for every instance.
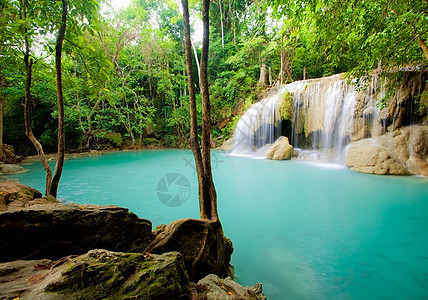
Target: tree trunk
(27, 98)
(197, 60)
(209, 209)
(263, 80)
(221, 24)
(194, 143)
(2, 104)
(60, 99)
(424, 47)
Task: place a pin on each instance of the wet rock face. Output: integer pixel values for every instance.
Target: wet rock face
(402, 152)
(56, 230)
(98, 274)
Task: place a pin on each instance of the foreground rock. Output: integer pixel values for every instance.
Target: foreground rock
(102, 274)
(402, 152)
(213, 287)
(280, 150)
(57, 230)
(44, 231)
(99, 274)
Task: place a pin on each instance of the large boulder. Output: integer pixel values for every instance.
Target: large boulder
(9, 156)
(57, 230)
(368, 157)
(280, 150)
(98, 274)
(14, 195)
(401, 152)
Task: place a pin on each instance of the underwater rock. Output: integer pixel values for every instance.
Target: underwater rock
(56, 230)
(280, 150)
(11, 169)
(98, 274)
(212, 287)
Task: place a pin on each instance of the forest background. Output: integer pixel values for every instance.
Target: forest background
(124, 78)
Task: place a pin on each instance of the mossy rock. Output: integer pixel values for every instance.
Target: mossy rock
(286, 107)
(102, 274)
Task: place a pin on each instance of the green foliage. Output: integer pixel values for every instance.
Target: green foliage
(110, 138)
(286, 107)
(423, 104)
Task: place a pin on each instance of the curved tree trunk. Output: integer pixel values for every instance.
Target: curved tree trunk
(60, 99)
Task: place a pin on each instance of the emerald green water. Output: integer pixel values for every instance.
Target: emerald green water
(304, 231)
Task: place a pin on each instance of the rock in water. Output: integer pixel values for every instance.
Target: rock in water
(57, 230)
(99, 274)
(401, 152)
(280, 150)
(11, 169)
(372, 158)
(212, 287)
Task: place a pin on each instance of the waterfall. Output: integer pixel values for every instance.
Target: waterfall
(322, 122)
(260, 126)
(256, 127)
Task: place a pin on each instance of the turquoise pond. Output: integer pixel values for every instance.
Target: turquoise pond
(305, 231)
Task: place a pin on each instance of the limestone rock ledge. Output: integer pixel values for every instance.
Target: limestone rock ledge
(55, 230)
(402, 152)
(280, 150)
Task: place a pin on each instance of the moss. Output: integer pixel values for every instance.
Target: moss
(423, 105)
(286, 107)
(108, 275)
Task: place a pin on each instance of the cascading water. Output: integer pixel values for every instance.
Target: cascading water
(260, 126)
(256, 127)
(322, 120)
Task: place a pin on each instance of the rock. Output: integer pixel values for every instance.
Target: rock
(14, 195)
(227, 145)
(280, 150)
(202, 243)
(401, 152)
(9, 156)
(11, 169)
(418, 166)
(56, 230)
(368, 157)
(213, 288)
(98, 274)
